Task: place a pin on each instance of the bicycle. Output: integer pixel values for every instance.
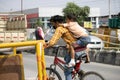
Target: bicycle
(77, 73)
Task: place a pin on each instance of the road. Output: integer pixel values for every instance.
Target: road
(109, 72)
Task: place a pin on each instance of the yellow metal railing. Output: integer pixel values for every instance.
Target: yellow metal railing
(39, 54)
(108, 42)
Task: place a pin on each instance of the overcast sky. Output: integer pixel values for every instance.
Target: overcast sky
(8, 5)
(15, 5)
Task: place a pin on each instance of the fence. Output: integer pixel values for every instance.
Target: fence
(111, 42)
(39, 55)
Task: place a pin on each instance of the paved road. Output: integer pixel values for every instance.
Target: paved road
(109, 72)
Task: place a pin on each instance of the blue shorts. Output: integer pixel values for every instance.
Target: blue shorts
(83, 41)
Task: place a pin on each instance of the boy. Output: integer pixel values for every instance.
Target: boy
(79, 33)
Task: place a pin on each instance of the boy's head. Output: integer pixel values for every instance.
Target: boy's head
(70, 17)
(56, 20)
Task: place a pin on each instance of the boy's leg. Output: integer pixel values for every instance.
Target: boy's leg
(68, 71)
(72, 54)
(68, 75)
(87, 57)
(83, 42)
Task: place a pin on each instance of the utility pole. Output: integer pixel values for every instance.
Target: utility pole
(109, 8)
(21, 6)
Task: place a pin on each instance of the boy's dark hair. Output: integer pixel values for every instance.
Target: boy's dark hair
(71, 17)
(57, 18)
(51, 19)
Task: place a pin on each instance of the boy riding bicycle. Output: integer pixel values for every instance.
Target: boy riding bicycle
(65, 34)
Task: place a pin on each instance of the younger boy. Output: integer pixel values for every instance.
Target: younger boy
(80, 33)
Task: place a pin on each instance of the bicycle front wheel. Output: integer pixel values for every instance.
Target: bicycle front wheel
(92, 76)
(53, 74)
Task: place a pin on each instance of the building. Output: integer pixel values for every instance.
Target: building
(46, 13)
(100, 11)
(43, 14)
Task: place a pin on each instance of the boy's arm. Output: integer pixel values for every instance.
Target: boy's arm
(65, 25)
(55, 37)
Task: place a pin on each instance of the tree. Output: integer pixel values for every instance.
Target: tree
(81, 13)
(39, 23)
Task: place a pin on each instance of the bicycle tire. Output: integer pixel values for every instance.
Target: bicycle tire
(92, 76)
(53, 74)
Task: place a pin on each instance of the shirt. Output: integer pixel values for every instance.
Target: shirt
(63, 33)
(76, 29)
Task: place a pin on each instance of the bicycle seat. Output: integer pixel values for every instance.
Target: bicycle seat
(78, 49)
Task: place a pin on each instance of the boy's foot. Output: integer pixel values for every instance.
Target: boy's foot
(71, 63)
(87, 61)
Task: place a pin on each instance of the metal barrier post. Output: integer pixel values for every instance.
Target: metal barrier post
(41, 62)
(43, 65)
(38, 55)
(14, 51)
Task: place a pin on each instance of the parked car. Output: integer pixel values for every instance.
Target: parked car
(95, 43)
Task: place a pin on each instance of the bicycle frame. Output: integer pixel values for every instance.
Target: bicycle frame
(77, 73)
(61, 64)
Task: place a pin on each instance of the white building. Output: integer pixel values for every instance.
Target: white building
(100, 11)
(46, 13)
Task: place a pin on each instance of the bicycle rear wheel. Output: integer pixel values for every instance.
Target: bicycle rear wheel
(53, 74)
(92, 76)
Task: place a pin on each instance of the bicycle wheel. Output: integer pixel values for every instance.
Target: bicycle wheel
(92, 76)
(53, 74)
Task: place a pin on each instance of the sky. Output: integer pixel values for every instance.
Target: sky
(15, 5)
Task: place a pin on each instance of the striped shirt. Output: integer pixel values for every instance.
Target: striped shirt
(63, 33)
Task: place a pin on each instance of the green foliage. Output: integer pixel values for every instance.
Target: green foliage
(71, 8)
(81, 13)
(38, 23)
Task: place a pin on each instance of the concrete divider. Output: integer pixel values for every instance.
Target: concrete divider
(110, 57)
(100, 56)
(92, 55)
(107, 57)
(117, 59)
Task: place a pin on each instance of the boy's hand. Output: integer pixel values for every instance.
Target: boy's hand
(45, 45)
